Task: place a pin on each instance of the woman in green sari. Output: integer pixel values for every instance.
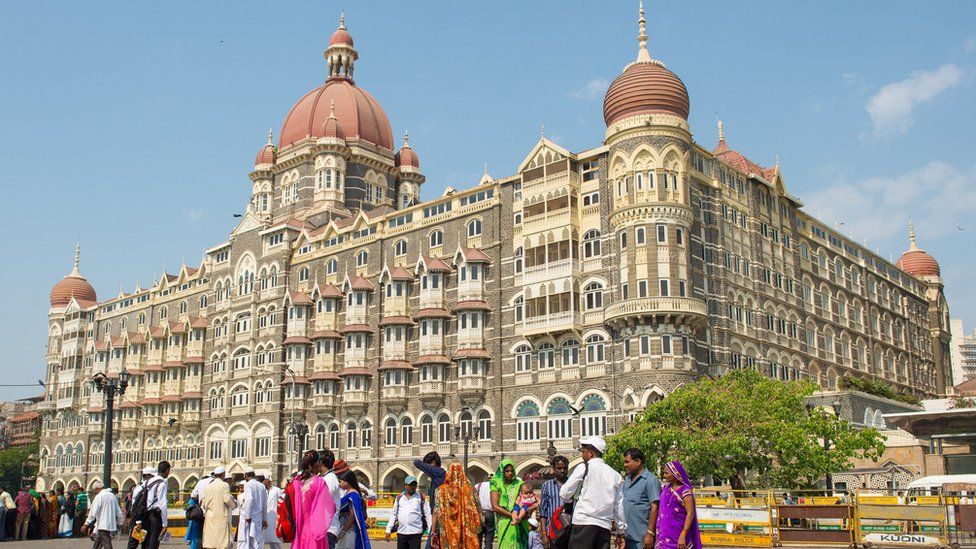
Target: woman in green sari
(505, 488)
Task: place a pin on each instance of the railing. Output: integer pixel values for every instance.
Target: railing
(548, 271)
(656, 305)
(566, 320)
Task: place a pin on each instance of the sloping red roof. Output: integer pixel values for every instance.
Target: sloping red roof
(433, 359)
(736, 160)
(194, 360)
(474, 255)
(352, 328)
(362, 283)
(101, 345)
(396, 365)
(26, 416)
(399, 273)
(157, 333)
(472, 305)
(328, 290)
(199, 322)
(297, 340)
(323, 334)
(173, 364)
(436, 265)
(171, 398)
(324, 376)
(396, 320)
(177, 328)
(355, 372)
(136, 338)
(299, 298)
(192, 395)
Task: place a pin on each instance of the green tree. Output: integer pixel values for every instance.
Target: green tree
(15, 464)
(744, 422)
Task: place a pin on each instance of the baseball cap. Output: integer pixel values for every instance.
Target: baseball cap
(148, 470)
(595, 441)
(410, 480)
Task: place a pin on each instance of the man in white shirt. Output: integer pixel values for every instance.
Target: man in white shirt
(105, 514)
(487, 533)
(154, 480)
(332, 481)
(411, 515)
(197, 492)
(275, 495)
(250, 529)
(600, 505)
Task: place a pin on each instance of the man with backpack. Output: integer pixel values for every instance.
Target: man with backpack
(554, 534)
(600, 504)
(410, 517)
(149, 507)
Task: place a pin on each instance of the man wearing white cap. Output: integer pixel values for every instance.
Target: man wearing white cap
(600, 504)
(275, 495)
(154, 518)
(105, 515)
(250, 529)
(217, 504)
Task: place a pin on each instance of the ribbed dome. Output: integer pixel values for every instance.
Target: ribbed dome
(406, 156)
(267, 153)
(645, 88)
(341, 36)
(360, 115)
(73, 285)
(915, 261)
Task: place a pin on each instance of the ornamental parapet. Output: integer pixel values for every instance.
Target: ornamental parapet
(676, 310)
(652, 212)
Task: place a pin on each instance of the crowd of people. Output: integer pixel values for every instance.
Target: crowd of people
(323, 506)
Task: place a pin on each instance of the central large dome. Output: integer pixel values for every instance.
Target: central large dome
(358, 112)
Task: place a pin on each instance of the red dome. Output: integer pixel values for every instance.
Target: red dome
(341, 36)
(406, 155)
(72, 285)
(359, 114)
(645, 87)
(918, 263)
(333, 128)
(266, 155)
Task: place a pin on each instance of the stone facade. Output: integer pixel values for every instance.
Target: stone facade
(527, 310)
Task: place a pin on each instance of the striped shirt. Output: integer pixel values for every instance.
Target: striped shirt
(550, 499)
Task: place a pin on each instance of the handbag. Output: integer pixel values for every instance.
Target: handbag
(194, 512)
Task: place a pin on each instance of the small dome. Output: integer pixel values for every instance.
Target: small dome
(267, 153)
(333, 128)
(915, 261)
(645, 87)
(406, 156)
(341, 36)
(73, 285)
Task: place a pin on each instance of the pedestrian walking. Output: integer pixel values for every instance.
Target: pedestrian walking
(457, 513)
(275, 495)
(217, 503)
(7, 505)
(353, 533)
(677, 521)
(410, 516)
(66, 524)
(25, 507)
(551, 501)
(600, 501)
(642, 496)
(312, 505)
(505, 488)
(81, 511)
(149, 507)
(105, 517)
(487, 533)
(250, 529)
(326, 468)
(194, 510)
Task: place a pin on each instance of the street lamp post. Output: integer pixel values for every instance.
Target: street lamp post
(110, 387)
(298, 430)
(465, 436)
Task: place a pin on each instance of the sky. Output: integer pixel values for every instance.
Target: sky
(131, 126)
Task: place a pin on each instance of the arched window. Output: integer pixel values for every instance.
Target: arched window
(523, 358)
(474, 228)
(303, 274)
(593, 296)
(334, 436)
(239, 397)
(274, 275)
(518, 260)
(400, 248)
(519, 308)
(560, 419)
(362, 258)
(142, 316)
(332, 267)
(591, 244)
(593, 416)
(391, 432)
(162, 313)
(436, 238)
(484, 425)
(546, 356)
(570, 352)
(426, 429)
(320, 437)
(527, 415)
(466, 423)
(594, 349)
(443, 429)
(366, 440)
(406, 431)
(351, 430)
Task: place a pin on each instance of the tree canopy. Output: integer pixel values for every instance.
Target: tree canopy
(15, 464)
(745, 424)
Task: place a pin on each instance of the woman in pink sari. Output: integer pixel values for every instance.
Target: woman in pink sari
(677, 521)
(312, 506)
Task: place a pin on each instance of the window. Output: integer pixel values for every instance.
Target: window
(594, 349)
(427, 430)
(679, 236)
(593, 296)
(484, 425)
(303, 274)
(527, 415)
(400, 248)
(570, 352)
(320, 437)
(665, 287)
(436, 239)
(523, 358)
(518, 260)
(560, 419)
(547, 355)
(238, 449)
(367, 438)
(662, 233)
(474, 228)
(332, 267)
(591, 244)
(519, 308)
(351, 431)
(640, 238)
(216, 450)
(443, 429)
(334, 436)
(623, 240)
(391, 432)
(593, 416)
(362, 258)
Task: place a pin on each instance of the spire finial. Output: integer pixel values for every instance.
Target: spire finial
(342, 20)
(74, 270)
(721, 131)
(543, 130)
(777, 161)
(912, 245)
(270, 137)
(486, 168)
(643, 55)
(332, 108)
(406, 138)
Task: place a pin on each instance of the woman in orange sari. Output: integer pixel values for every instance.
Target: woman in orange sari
(457, 515)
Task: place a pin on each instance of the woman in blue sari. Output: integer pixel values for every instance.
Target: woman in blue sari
(352, 515)
(194, 528)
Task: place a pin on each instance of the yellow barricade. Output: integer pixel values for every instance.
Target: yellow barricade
(736, 518)
(889, 521)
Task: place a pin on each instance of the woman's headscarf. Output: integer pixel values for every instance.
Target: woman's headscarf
(497, 483)
(459, 517)
(674, 496)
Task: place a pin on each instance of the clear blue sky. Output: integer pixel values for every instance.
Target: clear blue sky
(132, 125)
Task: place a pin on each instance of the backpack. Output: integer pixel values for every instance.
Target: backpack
(423, 517)
(140, 505)
(560, 525)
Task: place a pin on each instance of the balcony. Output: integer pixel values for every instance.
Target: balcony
(432, 299)
(323, 401)
(555, 322)
(355, 398)
(432, 390)
(549, 271)
(192, 416)
(551, 220)
(595, 370)
(470, 290)
(669, 309)
(394, 392)
(472, 388)
(395, 306)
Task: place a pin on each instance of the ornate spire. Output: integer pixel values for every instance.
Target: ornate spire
(721, 131)
(911, 236)
(270, 137)
(332, 108)
(542, 130)
(342, 19)
(406, 138)
(643, 56)
(74, 271)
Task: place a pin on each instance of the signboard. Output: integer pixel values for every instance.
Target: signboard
(735, 540)
(902, 539)
(738, 516)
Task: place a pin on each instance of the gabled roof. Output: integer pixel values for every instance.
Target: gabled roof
(471, 255)
(327, 291)
(396, 273)
(298, 298)
(543, 145)
(432, 264)
(360, 283)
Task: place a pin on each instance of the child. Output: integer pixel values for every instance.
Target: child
(525, 504)
(535, 538)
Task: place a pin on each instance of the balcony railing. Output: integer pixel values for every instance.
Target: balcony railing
(553, 322)
(549, 271)
(652, 306)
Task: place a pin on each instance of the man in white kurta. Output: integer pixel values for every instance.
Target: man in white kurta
(217, 504)
(275, 495)
(254, 502)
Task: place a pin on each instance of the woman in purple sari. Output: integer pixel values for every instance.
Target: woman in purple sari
(677, 521)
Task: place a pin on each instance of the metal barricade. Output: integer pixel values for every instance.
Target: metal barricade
(814, 519)
(735, 518)
(894, 521)
(961, 510)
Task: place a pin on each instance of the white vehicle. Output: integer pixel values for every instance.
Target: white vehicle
(932, 485)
